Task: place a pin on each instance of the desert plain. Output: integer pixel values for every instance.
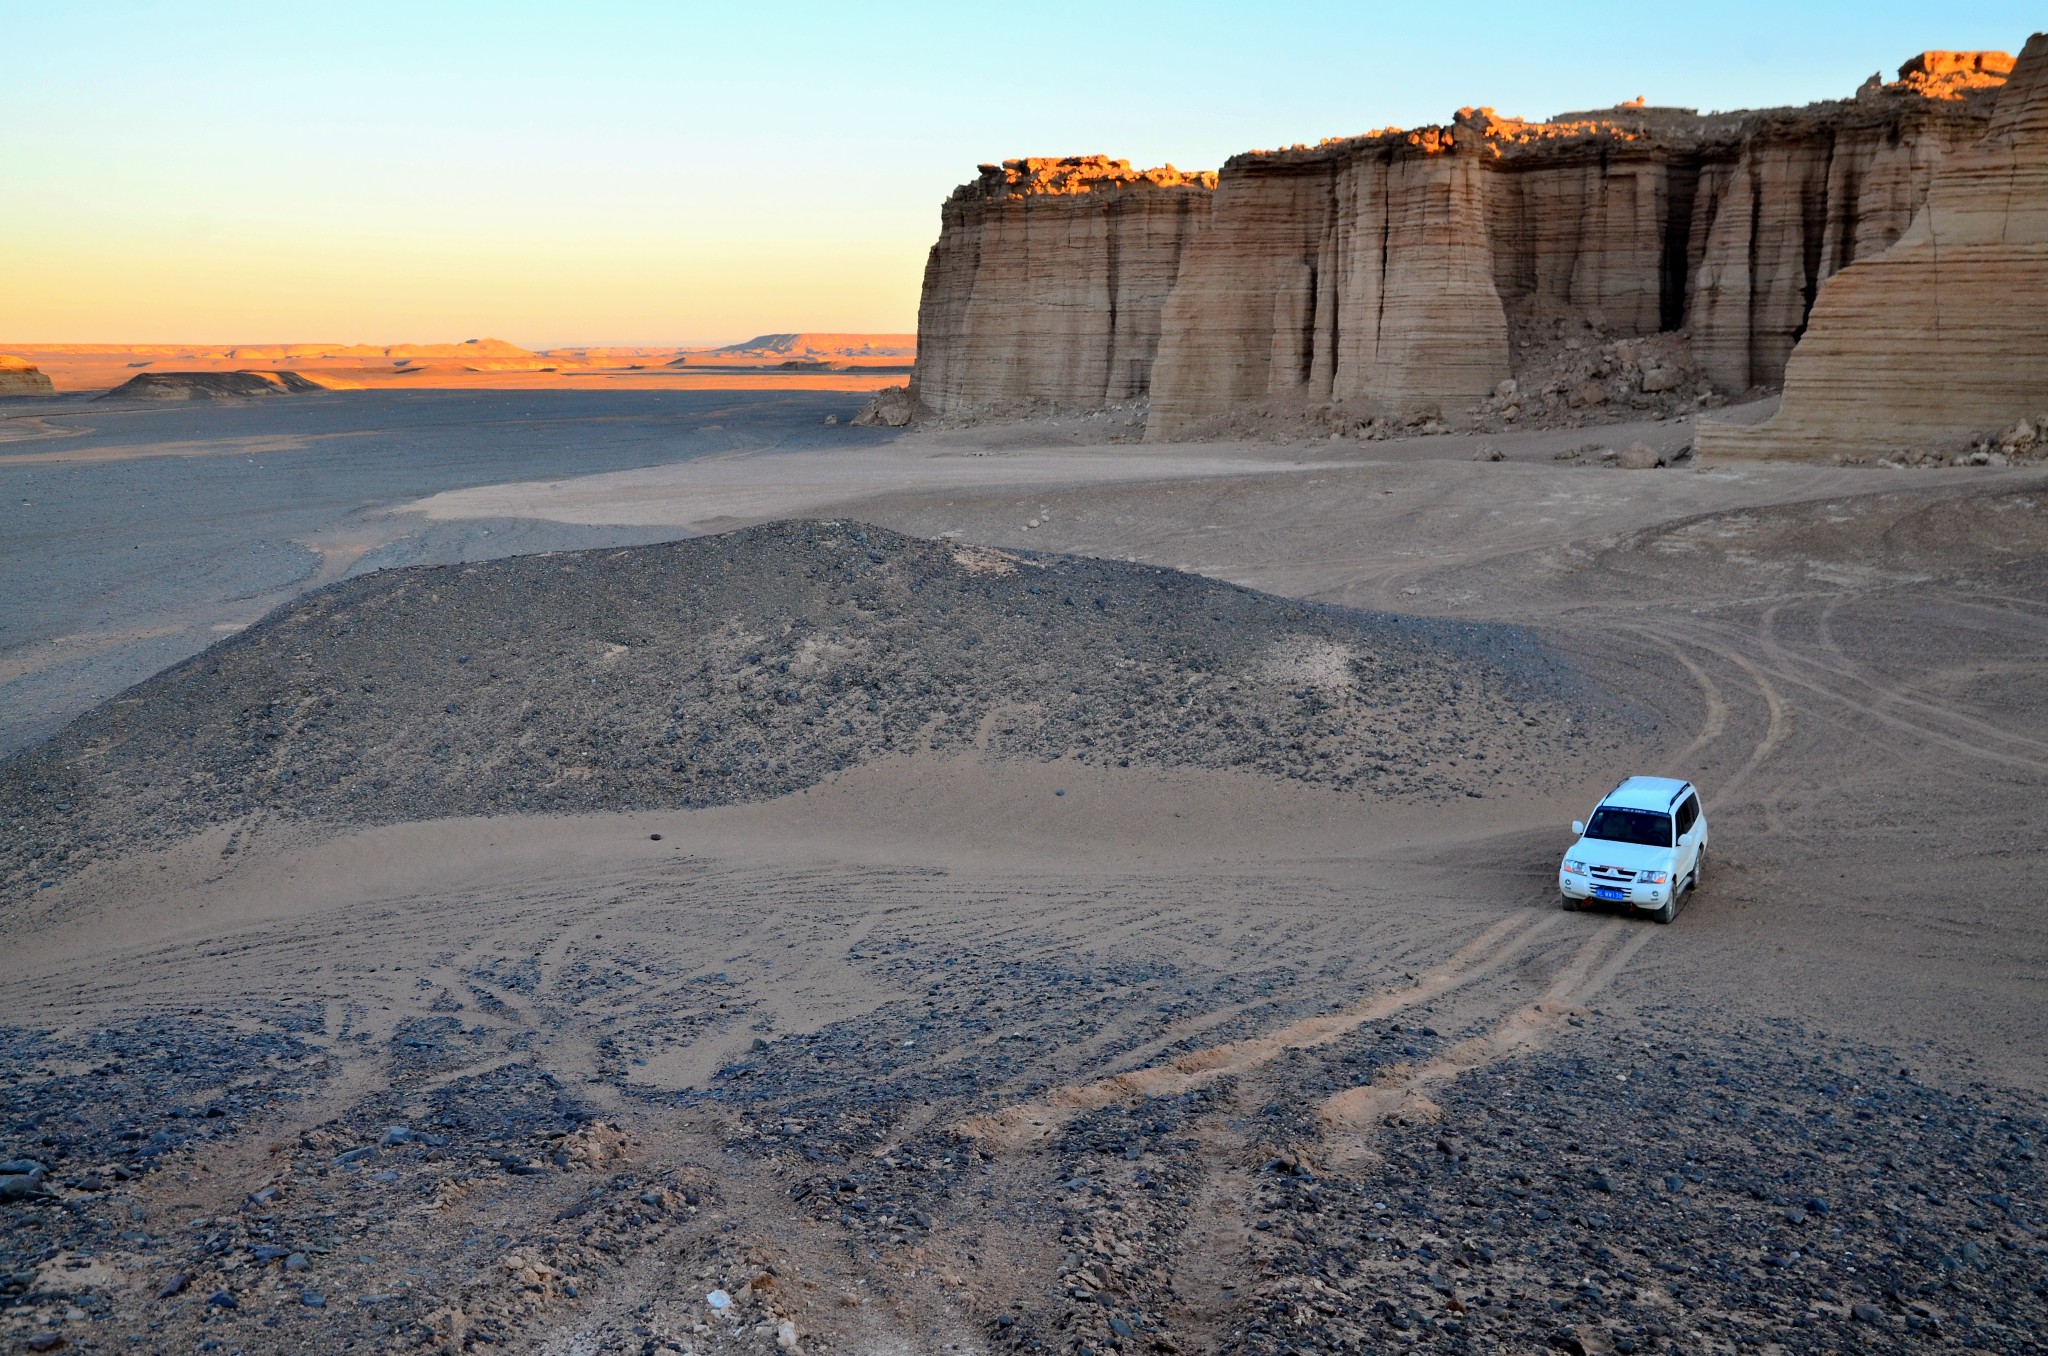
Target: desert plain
(706, 849)
(956, 889)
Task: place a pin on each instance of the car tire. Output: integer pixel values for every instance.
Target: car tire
(1569, 904)
(1666, 913)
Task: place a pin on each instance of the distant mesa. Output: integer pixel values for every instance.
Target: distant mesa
(468, 349)
(211, 386)
(820, 346)
(18, 377)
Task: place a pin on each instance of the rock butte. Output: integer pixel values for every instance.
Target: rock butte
(19, 378)
(1945, 334)
(1402, 271)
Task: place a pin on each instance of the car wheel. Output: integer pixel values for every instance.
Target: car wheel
(1569, 904)
(1666, 913)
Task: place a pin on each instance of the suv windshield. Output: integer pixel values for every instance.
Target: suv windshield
(1647, 827)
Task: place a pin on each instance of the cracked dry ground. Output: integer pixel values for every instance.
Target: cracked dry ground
(989, 1049)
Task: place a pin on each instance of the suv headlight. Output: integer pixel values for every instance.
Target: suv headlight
(1653, 877)
(1574, 868)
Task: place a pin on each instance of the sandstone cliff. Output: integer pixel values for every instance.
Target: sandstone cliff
(20, 378)
(1406, 272)
(1945, 333)
(1354, 272)
(1794, 197)
(1046, 282)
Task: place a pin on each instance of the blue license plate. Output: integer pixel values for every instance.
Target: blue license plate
(1609, 892)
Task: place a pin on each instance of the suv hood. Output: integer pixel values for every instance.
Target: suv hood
(1627, 856)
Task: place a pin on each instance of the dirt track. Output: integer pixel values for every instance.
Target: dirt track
(961, 1052)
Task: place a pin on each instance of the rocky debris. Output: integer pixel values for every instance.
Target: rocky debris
(19, 377)
(1429, 251)
(1942, 333)
(2022, 443)
(1548, 1203)
(211, 386)
(890, 407)
(746, 666)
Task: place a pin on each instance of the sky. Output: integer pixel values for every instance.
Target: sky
(616, 173)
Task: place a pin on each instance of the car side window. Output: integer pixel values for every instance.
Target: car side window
(1688, 813)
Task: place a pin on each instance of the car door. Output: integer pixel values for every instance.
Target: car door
(1691, 829)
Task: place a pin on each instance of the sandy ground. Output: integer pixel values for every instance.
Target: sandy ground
(132, 536)
(959, 1052)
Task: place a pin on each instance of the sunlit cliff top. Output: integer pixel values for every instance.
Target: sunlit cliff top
(1936, 83)
(1060, 176)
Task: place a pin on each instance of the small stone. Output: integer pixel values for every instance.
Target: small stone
(1866, 1313)
(221, 1299)
(312, 1299)
(174, 1284)
(396, 1134)
(785, 1335)
(44, 1341)
(1641, 457)
(296, 1262)
(719, 1300)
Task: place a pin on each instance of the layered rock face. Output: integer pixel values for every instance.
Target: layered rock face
(1406, 271)
(19, 378)
(1795, 197)
(1945, 333)
(1356, 271)
(1046, 282)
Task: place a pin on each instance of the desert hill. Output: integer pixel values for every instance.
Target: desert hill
(211, 386)
(746, 666)
(20, 377)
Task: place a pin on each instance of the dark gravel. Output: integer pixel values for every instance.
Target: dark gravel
(747, 666)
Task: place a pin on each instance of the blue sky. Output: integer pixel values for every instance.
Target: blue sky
(578, 172)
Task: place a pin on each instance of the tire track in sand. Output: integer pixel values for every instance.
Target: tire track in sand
(1033, 1122)
(1349, 1116)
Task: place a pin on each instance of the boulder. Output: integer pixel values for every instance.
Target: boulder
(890, 407)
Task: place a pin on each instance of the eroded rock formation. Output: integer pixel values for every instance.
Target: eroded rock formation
(21, 378)
(1046, 282)
(211, 386)
(1945, 333)
(1408, 271)
(1357, 271)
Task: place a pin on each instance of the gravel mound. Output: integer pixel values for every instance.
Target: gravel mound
(746, 666)
(212, 386)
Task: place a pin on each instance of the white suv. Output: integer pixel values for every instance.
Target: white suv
(1645, 846)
